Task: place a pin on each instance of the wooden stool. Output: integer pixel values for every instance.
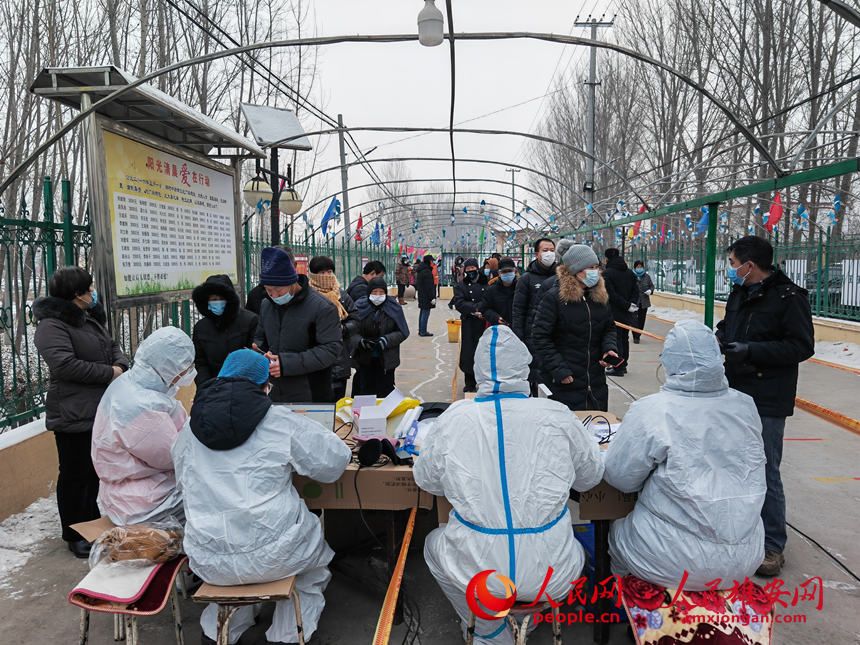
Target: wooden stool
(520, 627)
(229, 599)
(158, 591)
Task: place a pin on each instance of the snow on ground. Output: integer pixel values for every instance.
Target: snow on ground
(847, 354)
(23, 533)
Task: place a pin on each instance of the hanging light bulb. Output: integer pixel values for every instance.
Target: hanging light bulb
(430, 25)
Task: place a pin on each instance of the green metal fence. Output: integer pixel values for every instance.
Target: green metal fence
(829, 269)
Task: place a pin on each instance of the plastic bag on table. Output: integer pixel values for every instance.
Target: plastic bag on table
(138, 544)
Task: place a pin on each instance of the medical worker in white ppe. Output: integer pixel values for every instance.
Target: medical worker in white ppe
(695, 454)
(245, 522)
(136, 423)
(506, 463)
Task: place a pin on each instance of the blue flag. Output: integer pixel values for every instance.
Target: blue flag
(331, 212)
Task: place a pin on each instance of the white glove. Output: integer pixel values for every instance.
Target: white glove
(648, 292)
(633, 309)
(433, 302)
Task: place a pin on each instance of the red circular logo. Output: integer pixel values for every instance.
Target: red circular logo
(478, 596)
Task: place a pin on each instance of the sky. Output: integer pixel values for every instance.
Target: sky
(406, 84)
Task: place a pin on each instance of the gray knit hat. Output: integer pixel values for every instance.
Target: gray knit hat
(579, 257)
(561, 248)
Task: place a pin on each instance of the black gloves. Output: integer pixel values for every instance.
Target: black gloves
(736, 352)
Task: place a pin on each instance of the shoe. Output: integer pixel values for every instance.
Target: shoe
(81, 549)
(772, 564)
(401, 302)
(426, 333)
(635, 341)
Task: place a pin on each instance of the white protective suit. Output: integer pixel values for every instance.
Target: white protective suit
(694, 451)
(546, 452)
(245, 522)
(136, 423)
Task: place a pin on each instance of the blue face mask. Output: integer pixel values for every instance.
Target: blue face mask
(284, 299)
(592, 277)
(95, 298)
(486, 272)
(639, 271)
(507, 278)
(217, 307)
(734, 277)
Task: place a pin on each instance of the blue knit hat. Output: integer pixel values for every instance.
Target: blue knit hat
(246, 364)
(276, 269)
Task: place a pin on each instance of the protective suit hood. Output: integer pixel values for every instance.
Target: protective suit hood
(501, 363)
(161, 357)
(226, 411)
(691, 360)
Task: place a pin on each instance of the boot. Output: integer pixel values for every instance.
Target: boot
(401, 301)
(81, 549)
(772, 564)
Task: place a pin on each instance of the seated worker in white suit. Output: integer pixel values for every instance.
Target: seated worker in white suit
(506, 463)
(245, 522)
(695, 454)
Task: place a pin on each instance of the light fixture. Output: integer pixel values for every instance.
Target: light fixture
(291, 201)
(256, 190)
(430, 25)
(588, 187)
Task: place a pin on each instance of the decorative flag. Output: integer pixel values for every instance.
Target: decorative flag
(388, 241)
(688, 221)
(331, 212)
(774, 214)
(702, 224)
(663, 231)
(643, 208)
(358, 228)
(481, 236)
(375, 237)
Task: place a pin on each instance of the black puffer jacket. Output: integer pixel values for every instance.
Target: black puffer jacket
(622, 285)
(80, 355)
(216, 336)
(498, 302)
(306, 335)
(526, 299)
(226, 411)
(424, 285)
(467, 298)
(573, 329)
(775, 320)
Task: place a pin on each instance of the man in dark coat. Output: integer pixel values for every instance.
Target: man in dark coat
(622, 285)
(498, 303)
(299, 331)
(541, 269)
(766, 333)
(357, 289)
(468, 295)
(82, 360)
(224, 327)
(426, 289)
(574, 334)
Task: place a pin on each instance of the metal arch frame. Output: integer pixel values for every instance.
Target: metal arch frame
(330, 40)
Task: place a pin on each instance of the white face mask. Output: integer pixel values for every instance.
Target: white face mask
(188, 378)
(377, 300)
(547, 258)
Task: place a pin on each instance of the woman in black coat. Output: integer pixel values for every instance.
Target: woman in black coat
(468, 294)
(82, 359)
(426, 288)
(224, 327)
(382, 328)
(498, 303)
(574, 333)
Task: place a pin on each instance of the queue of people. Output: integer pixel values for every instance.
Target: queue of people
(705, 510)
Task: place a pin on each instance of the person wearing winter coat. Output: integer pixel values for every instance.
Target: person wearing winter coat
(560, 249)
(506, 462)
(223, 328)
(623, 289)
(498, 303)
(766, 333)
(82, 359)
(574, 333)
(401, 277)
(646, 288)
(322, 277)
(468, 295)
(136, 424)
(381, 329)
(299, 331)
(246, 524)
(698, 515)
(426, 289)
(541, 269)
(357, 289)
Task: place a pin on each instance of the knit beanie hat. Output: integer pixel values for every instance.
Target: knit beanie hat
(276, 269)
(471, 262)
(246, 364)
(579, 257)
(377, 283)
(561, 248)
(507, 263)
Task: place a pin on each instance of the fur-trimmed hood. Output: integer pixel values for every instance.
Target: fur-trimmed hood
(570, 289)
(67, 311)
